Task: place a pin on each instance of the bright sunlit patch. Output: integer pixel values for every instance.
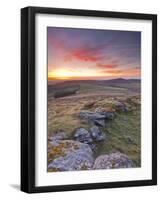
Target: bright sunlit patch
(61, 74)
(71, 74)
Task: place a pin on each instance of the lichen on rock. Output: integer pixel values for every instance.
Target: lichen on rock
(112, 161)
(69, 155)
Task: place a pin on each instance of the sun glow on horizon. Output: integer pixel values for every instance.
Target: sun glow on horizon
(63, 74)
(59, 74)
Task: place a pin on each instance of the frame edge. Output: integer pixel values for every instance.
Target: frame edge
(24, 100)
(27, 100)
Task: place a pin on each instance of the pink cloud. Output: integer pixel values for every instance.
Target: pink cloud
(106, 66)
(82, 54)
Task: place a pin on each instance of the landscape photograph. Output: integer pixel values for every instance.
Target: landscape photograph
(93, 99)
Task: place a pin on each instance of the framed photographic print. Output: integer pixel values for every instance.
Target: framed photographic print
(88, 99)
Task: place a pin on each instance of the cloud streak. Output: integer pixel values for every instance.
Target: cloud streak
(106, 66)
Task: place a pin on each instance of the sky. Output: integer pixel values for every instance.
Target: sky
(91, 54)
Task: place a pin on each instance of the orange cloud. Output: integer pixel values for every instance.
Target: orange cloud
(106, 66)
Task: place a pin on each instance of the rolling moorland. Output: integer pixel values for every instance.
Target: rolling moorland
(94, 124)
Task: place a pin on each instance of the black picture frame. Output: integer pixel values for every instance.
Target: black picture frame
(28, 98)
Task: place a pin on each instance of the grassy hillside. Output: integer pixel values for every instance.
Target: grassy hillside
(116, 86)
(67, 99)
(123, 135)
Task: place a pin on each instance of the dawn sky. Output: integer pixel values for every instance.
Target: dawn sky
(93, 54)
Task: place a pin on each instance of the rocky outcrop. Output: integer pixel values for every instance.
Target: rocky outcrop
(108, 115)
(85, 114)
(69, 155)
(96, 134)
(112, 161)
(77, 153)
(93, 117)
(82, 135)
(89, 137)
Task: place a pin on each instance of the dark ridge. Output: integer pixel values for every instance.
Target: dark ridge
(100, 82)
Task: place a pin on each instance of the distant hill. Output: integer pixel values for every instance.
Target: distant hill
(121, 80)
(66, 88)
(111, 82)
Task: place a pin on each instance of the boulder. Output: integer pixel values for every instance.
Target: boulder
(82, 135)
(93, 117)
(69, 155)
(112, 161)
(96, 134)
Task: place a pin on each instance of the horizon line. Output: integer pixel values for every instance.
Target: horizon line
(70, 79)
